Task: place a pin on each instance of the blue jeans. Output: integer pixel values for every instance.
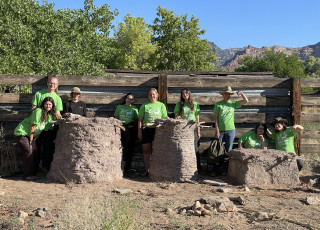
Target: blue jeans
(227, 137)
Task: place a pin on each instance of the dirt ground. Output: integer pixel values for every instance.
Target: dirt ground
(157, 205)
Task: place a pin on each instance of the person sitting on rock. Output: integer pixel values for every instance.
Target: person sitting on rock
(284, 137)
(256, 139)
(74, 105)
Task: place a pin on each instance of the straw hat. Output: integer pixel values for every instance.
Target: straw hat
(279, 120)
(75, 90)
(227, 90)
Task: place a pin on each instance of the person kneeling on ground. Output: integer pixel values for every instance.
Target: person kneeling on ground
(256, 139)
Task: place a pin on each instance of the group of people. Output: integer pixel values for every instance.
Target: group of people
(35, 134)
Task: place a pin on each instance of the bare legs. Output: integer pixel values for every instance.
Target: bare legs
(147, 150)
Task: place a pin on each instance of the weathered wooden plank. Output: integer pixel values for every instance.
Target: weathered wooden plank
(241, 118)
(310, 148)
(313, 134)
(144, 81)
(220, 82)
(209, 132)
(310, 117)
(253, 101)
(22, 79)
(310, 100)
(13, 98)
(296, 110)
(310, 82)
(163, 88)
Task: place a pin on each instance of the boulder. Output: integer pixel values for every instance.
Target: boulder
(257, 166)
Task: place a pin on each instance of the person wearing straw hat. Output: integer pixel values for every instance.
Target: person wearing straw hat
(74, 105)
(224, 116)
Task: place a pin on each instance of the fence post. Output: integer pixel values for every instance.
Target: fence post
(163, 88)
(296, 110)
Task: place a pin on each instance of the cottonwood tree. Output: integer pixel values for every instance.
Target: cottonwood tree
(133, 39)
(179, 44)
(312, 66)
(277, 62)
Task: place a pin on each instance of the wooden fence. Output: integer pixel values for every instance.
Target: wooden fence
(269, 97)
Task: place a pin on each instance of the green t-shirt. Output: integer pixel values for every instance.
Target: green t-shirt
(285, 139)
(225, 111)
(23, 129)
(251, 140)
(187, 113)
(126, 113)
(152, 111)
(42, 94)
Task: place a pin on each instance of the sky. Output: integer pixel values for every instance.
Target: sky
(230, 23)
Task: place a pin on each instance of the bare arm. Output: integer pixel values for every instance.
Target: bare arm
(240, 145)
(33, 107)
(140, 128)
(215, 118)
(263, 142)
(298, 127)
(244, 100)
(177, 116)
(198, 120)
(32, 142)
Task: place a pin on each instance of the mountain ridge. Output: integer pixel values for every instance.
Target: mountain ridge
(229, 58)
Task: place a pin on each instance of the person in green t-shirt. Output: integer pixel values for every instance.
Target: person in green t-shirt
(28, 131)
(256, 139)
(284, 137)
(148, 113)
(188, 109)
(224, 116)
(128, 113)
(46, 140)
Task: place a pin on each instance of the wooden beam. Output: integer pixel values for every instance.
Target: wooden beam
(310, 100)
(310, 117)
(296, 110)
(310, 82)
(163, 88)
(310, 148)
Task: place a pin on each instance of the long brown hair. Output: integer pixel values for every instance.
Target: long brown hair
(44, 114)
(182, 101)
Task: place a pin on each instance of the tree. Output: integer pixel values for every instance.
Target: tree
(133, 39)
(36, 39)
(312, 66)
(179, 43)
(277, 62)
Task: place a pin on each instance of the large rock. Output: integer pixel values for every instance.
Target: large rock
(257, 166)
(87, 150)
(173, 156)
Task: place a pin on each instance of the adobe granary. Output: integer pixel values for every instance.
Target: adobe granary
(173, 157)
(87, 150)
(257, 166)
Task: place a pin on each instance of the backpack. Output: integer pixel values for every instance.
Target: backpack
(216, 153)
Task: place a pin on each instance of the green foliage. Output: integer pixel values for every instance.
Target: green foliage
(312, 66)
(277, 62)
(37, 40)
(133, 39)
(180, 47)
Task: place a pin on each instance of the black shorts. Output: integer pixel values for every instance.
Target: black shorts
(148, 135)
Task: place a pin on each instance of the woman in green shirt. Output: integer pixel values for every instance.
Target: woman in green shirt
(256, 139)
(188, 109)
(148, 113)
(128, 113)
(27, 132)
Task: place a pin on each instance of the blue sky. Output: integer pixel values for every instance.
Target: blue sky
(231, 23)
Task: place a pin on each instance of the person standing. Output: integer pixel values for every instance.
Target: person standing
(188, 109)
(224, 116)
(128, 113)
(148, 113)
(27, 132)
(46, 140)
(74, 105)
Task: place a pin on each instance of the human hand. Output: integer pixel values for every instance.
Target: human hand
(239, 93)
(261, 137)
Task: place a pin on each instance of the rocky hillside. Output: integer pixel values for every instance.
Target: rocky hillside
(229, 57)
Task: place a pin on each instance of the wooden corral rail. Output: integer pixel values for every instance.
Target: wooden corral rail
(269, 97)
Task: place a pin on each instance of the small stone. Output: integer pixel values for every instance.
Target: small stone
(215, 211)
(207, 206)
(190, 212)
(238, 199)
(314, 182)
(1, 193)
(122, 191)
(312, 200)
(22, 214)
(225, 190)
(261, 215)
(246, 189)
(206, 212)
(196, 205)
(40, 213)
(169, 211)
(197, 213)
(183, 211)
(221, 208)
